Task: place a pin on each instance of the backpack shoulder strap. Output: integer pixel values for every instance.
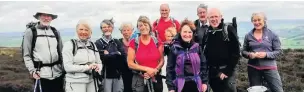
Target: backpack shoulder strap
(172, 20)
(225, 31)
(136, 43)
(57, 38)
(55, 33)
(75, 46)
(157, 22)
(34, 38)
(93, 47)
(155, 41)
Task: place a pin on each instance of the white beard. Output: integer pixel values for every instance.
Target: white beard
(45, 23)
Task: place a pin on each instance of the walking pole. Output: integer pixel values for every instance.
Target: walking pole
(40, 85)
(149, 84)
(94, 79)
(38, 82)
(35, 87)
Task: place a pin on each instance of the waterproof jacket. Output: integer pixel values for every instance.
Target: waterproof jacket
(77, 66)
(176, 75)
(45, 51)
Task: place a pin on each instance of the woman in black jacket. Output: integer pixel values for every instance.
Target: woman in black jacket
(112, 56)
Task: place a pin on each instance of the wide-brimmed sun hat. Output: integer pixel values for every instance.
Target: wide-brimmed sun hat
(45, 10)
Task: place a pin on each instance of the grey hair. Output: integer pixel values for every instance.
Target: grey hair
(124, 25)
(262, 14)
(204, 6)
(109, 22)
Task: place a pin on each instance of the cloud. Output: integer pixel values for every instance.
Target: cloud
(14, 15)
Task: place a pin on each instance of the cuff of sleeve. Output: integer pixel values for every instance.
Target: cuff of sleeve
(114, 53)
(171, 88)
(204, 81)
(87, 68)
(227, 72)
(267, 55)
(32, 71)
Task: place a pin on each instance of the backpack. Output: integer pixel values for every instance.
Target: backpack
(225, 34)
(171, 18)
(225, 29)
(155, 40)
(74, 42)
(157, 22)
(32, 26)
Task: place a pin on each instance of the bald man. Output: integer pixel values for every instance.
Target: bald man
(222, 53)
(164, 22)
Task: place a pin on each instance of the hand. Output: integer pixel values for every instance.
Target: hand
(252, 55)
(171, 91)
(261, 54)
(97, 67)
(105, 52)
(146, 76)
(36, 75)
(223, 76)
(151, 72)
(92, 66)
(204, 87)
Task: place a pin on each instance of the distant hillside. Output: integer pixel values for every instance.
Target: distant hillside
(291, 33)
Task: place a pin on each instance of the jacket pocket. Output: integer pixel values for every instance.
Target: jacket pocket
(77, 75)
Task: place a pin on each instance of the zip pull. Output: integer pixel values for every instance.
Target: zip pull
(187, 53)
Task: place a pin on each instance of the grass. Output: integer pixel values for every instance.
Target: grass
(14, 77)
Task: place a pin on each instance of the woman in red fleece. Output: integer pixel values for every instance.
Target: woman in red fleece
(148, 54)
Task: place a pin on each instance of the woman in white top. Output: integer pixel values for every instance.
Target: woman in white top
(79, 59)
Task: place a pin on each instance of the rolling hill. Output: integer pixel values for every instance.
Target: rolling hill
(291, 33)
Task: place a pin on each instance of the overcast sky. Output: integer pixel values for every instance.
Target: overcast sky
(15, 15)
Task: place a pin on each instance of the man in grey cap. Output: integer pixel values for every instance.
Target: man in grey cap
(41, 49)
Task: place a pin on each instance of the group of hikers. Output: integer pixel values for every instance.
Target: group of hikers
(202, 55)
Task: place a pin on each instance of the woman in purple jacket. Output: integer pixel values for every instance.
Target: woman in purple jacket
(187, 66)
(262, 46)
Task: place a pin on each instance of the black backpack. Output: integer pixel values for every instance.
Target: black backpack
(74, 42)
(32, 26)
(225, 34)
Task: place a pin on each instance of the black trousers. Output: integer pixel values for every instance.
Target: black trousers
(55, 85)
(190, 86)
(218, 85)
(127, 80)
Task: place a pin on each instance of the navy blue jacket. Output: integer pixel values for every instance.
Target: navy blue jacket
(113, 61)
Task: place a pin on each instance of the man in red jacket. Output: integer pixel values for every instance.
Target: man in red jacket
(165, 21)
